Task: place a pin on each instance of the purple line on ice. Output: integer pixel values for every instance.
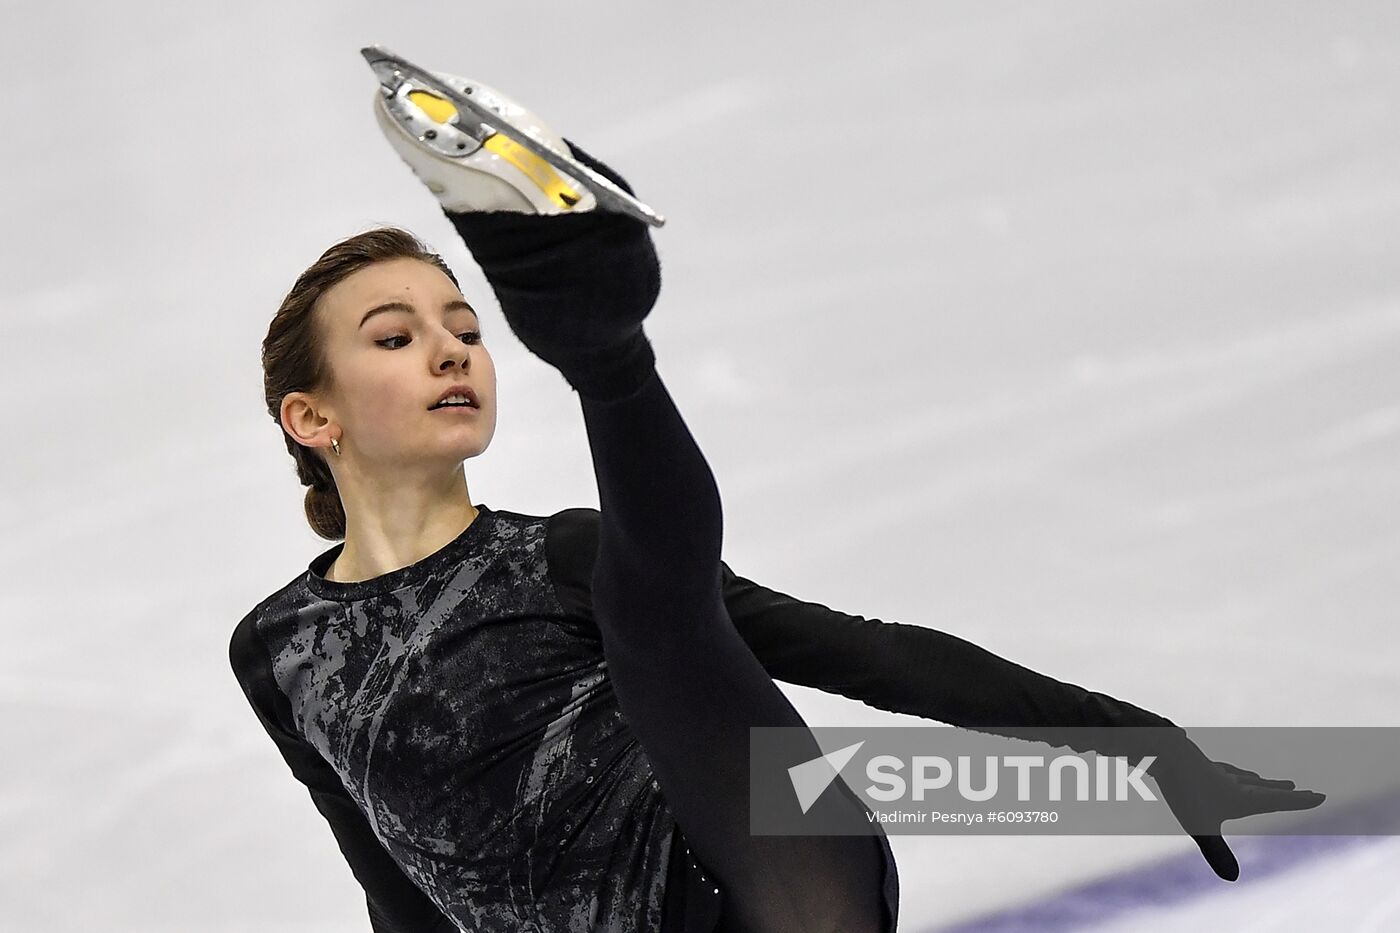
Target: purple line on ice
(1177, 879)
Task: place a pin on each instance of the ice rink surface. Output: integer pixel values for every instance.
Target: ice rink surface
(1072, 329)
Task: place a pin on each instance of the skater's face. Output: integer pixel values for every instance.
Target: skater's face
(397, 335)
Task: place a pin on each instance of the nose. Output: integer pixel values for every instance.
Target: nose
(451, 350)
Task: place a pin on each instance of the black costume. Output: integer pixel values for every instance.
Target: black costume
(543, 725)
(478, 673)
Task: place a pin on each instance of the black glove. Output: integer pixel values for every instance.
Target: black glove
(1201, 793)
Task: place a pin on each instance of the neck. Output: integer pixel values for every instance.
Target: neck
(402, 528)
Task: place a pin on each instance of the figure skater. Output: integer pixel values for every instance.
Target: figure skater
(515, 722)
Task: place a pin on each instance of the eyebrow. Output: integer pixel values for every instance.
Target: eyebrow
(456, 305)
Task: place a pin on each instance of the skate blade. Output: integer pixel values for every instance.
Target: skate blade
(464, 125)
(436, 124)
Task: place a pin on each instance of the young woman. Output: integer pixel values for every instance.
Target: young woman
(521, 722)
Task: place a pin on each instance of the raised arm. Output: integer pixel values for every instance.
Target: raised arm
(394, 902)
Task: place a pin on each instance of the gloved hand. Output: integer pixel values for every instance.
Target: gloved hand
(1202, 794)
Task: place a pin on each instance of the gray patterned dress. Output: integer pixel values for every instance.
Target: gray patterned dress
(454, 722)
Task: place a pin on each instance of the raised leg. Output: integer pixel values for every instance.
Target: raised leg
(575, 289)
(689, 685)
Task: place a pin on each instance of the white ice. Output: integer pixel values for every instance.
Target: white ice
(1072, 329)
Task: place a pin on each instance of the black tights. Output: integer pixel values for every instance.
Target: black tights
(691, 688)
(575, 289)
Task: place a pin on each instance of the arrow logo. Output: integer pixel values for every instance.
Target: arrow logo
(810, 778)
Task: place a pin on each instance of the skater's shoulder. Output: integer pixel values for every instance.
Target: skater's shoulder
(573, 528)
(287, 599)
(534, 522)
(571, 547)
(562, 524)
(246, 646)
(576, 516)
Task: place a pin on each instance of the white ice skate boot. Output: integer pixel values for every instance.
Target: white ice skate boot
(478, 150)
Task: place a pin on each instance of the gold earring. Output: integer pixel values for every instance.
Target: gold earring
(335, 443)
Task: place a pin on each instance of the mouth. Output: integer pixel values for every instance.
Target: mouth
(457, 398)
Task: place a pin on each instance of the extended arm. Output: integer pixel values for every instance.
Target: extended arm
(889, 665)
(911, 669)
(924, 672)
(394, 902)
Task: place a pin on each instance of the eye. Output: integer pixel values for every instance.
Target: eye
(468, 337)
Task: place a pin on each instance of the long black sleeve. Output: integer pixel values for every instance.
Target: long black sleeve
(913, 669)
(892, 666)
(394, 902)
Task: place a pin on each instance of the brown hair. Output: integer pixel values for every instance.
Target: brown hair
(294, 360)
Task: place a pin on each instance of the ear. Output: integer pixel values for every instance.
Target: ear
(303, 420)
